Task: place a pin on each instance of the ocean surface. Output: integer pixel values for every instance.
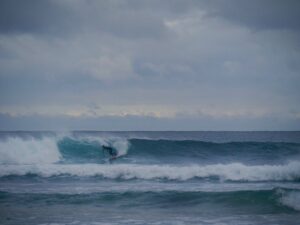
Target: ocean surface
(159, 178)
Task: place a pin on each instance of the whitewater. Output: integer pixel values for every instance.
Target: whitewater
(159, 178)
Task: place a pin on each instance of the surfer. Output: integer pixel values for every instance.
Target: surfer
(112, 152)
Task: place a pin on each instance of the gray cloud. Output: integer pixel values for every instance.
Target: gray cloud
(266, 14)
(34, 16)
(151, 60)
(61, 18)
(138, 18)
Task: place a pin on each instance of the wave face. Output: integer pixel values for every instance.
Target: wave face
(207, 152)
(184, 178)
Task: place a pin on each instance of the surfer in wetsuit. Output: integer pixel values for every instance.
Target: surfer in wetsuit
(112, 152)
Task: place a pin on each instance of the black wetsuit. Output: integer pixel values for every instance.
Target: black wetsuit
(110, 150)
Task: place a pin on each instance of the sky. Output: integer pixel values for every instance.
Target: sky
(150, 65)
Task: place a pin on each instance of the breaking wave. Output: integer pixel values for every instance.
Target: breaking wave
(291, 199)
(16, 150)
(230, 172)
(70, 149)
(46, 150)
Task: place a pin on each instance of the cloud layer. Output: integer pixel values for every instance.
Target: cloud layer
(228, 65)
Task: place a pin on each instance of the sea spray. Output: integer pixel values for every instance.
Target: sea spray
(290, 198)
(16, 150)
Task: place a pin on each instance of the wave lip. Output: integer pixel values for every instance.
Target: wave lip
(226, 172)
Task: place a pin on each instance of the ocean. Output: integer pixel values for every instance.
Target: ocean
(158, 178)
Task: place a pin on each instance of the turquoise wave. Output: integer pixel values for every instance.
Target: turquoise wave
(166, 151)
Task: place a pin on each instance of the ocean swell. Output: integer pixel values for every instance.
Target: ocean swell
(259, 200)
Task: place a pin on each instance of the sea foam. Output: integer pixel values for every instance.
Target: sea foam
(291, 199)
(232, 171)
(16, 150)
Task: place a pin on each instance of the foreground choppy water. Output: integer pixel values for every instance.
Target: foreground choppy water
(160, 178)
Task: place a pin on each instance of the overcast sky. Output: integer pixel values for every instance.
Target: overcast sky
(150, 65)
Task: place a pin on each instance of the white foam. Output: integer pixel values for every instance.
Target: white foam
(233, 171)
(16, 150)
(291, 199)
(121, 145)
